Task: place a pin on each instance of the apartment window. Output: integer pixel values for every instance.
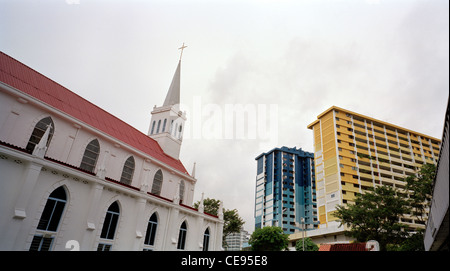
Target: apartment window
(111, 221)
(182, 236)
(39, 131)
(127, 171)
(260, 165)
(157, 183)
(206, 240)
(151, 230)
(90, 156)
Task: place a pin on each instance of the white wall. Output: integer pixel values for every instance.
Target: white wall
(26, 181)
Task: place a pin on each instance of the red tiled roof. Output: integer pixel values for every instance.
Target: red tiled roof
(29, 81)
(343, 247)
(325, 247)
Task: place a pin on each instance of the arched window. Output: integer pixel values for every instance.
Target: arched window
(182, 236)
(151, 230)
(157, 183)
(50, 219)
(182, 188)
(39, 131)
(127, 171)
(179, 131)
(159, 124)
(111, 221)
(206, 240)
(90, 156)
(164, 125)
(153, 127)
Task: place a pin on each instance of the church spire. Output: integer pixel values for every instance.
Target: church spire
(167, 122)
(173, 95)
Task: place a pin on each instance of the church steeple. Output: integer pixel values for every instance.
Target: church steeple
(166, 126)
(173, 95)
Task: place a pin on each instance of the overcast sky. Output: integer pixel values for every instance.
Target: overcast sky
(293, 59)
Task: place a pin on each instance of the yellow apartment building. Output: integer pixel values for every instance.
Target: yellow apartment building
(353, 152)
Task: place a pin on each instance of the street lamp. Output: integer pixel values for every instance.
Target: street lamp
(303, 232)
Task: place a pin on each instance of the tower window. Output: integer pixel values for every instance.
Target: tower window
(153, 127)
(157, 128)
(164, 125)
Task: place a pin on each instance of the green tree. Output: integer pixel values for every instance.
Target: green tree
(309, 245)
(211, 206)
(421, 187)
(375, 216)
(269, 239)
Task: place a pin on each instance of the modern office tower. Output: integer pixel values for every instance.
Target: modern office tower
(285, 193)
(354, 152)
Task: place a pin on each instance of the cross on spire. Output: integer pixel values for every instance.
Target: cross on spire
(182, 48)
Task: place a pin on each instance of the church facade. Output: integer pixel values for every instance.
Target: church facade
(73, 176)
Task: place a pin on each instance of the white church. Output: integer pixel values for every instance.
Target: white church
(74, 177)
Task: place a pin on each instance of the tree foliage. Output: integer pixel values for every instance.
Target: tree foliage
(269, 239)
(309, 245)
(211, 206)
(421, 187)
(376, 216)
